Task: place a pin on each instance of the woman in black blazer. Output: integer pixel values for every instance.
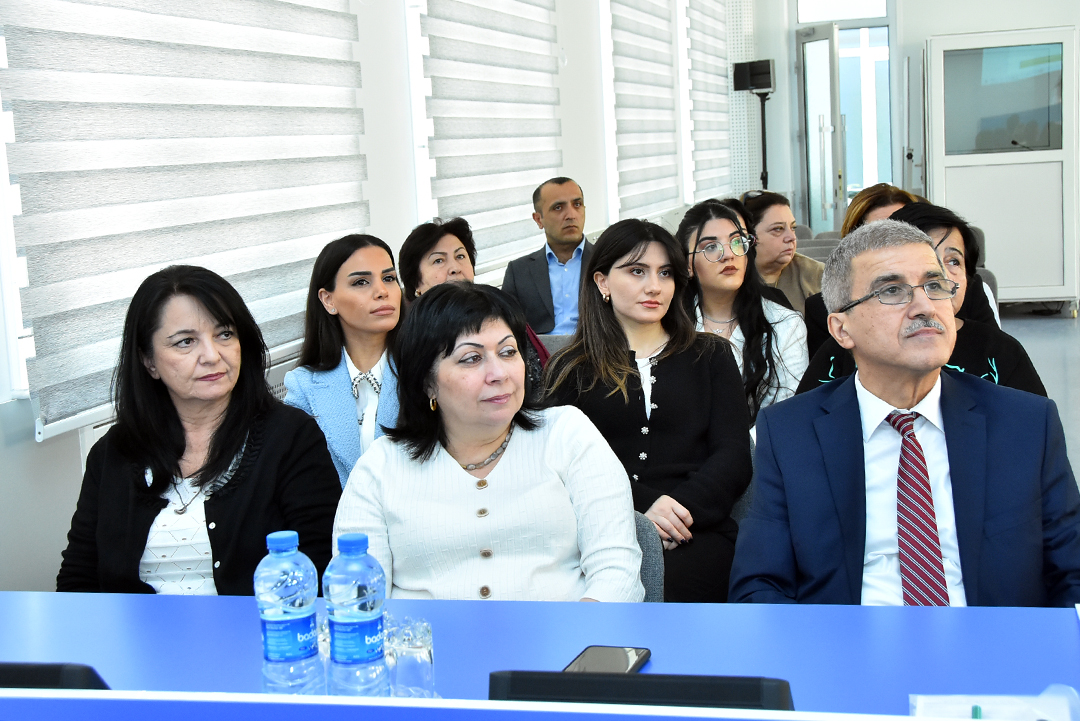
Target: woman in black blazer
(668, 400)
(203, 462)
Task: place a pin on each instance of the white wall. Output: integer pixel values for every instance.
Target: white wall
(391, 177)
(773, 39)
(39, 485)
(917, 20)
(581, 108)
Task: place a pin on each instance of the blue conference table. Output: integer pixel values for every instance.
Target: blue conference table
(837, 658)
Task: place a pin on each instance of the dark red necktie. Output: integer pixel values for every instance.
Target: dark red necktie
(922, 573)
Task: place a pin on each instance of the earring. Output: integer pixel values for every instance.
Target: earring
(432, 404)
(606, 297)
(332, 311)
(417, 294)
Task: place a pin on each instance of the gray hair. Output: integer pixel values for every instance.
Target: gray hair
(836, 281)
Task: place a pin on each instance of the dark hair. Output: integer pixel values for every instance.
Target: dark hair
(758, 202)
(429, 333)
(323, 336)
(746, 216)
(868, 199)
(758, 361)
(599, 345)
(148, 429)
(421, 240)
(556, 181)
(927, 217)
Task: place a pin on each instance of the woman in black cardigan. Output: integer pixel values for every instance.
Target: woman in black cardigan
(203, 462)
(668, 400)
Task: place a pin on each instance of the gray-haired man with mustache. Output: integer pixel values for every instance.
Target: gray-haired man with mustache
(904, 483)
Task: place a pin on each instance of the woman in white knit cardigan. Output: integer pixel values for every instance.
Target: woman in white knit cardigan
(476, 494)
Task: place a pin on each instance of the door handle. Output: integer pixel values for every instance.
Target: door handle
(824, 178)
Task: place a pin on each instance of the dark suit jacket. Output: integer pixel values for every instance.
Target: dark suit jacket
(527, 280)
(1016, 502)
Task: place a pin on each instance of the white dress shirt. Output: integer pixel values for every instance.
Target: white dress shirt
(553, 520)
(367, 401)
(881, 457)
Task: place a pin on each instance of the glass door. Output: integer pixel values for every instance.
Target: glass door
(822, 126)
(864, 106)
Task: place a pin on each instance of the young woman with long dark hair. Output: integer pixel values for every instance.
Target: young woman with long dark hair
(344, 377)
(669, 401)
(725, 297)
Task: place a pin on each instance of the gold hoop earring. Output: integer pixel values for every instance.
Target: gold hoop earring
(417, 293)
(432, 404)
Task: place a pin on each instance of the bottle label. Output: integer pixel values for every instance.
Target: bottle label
(356, 641)
(290, 639)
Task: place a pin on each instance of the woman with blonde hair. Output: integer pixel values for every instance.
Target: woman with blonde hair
(877, 202)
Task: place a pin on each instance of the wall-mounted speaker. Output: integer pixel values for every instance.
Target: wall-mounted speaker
(756, 75)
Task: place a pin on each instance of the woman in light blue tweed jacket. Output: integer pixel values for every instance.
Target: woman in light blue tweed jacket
(344, 378)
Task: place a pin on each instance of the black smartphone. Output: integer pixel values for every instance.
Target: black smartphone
(609, 659)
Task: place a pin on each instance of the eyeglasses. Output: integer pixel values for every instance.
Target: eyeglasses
(751, 194)
(713, 250)
(902, 293)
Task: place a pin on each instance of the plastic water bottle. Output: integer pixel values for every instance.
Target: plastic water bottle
(354, 586)
(286, 584)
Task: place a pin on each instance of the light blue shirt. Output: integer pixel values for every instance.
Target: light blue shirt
(565, 281)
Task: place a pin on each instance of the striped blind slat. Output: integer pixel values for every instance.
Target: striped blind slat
(494, 108)
(709, 99)
(646, 114)
(226, 134)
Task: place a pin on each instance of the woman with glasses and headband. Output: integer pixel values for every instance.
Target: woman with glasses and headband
(981, 349)
(777, 262)
(725, 296)
(669, 401)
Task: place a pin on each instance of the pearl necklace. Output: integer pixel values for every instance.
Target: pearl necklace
(491, 459)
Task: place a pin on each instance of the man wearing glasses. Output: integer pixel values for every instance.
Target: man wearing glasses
(903, 484)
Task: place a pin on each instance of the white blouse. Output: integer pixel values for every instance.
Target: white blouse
(789, 350)
(554, 520)
(367, 400)
(178, 558)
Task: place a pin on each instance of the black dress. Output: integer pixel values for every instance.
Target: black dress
(694, 447)
(981, 349)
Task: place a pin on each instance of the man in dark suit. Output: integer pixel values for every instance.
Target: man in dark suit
(546, 282)
(903, 484)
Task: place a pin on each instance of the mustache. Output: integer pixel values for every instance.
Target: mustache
(920, 323)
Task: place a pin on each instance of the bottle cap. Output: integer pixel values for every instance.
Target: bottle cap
(354, 544)
(283, 541)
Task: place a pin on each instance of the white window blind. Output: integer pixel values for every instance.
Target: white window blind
(494, 110)
(709, 99)
(642, 34)
(222, 133)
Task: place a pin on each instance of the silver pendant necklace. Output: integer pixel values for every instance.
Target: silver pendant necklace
(184, 506)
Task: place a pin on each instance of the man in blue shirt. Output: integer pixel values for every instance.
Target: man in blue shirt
(546, 282)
